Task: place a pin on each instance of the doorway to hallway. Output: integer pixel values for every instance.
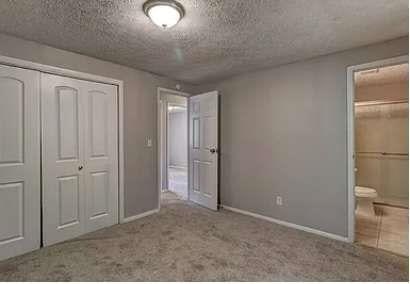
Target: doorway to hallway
(173, 154)
(177, 134)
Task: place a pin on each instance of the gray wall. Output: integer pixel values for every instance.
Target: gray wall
(178, 139)
(140, 120)
(283, 132)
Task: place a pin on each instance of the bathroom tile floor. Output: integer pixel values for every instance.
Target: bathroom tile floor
(388, 230)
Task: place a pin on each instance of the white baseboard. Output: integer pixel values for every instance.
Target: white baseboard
(287, 224)
(136, 217)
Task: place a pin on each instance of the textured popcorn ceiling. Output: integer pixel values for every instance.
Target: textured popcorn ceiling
(215, 39)
(381, 76)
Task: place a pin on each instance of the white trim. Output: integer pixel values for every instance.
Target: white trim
(178, 167)
(121, 155)
(188, 109)
(139, 216)
(10, 61)
(159, 148)
(350, 133)
(287, 224)
(174, 92)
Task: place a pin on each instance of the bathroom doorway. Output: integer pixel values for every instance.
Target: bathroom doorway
(173, 145)
(379, 121)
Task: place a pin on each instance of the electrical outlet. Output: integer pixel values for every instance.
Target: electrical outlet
(279, 200)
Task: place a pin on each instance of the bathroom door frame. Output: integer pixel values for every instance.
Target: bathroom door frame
(350, 133)
(160, 137)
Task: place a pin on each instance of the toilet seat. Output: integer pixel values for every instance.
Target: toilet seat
(361, 191)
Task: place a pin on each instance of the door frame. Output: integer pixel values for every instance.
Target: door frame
(161, 90)
(350, 134)
(25, 64)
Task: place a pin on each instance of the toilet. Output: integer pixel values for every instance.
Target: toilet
(364, 200)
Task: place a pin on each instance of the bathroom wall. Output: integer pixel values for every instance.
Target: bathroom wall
(383, 128)
(178, 139)
(393, 92)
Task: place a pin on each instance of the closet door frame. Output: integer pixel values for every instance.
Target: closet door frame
(14, 62)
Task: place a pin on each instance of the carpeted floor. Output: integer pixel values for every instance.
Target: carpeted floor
(187, 242)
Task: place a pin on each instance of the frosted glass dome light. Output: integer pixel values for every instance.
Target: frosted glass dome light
(164, 13)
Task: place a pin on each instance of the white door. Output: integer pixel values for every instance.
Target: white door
(19, 161)
(79, 122)
(101, 152)
(63, 155)
(203, 149)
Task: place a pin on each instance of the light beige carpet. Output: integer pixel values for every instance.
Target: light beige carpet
(185, 242)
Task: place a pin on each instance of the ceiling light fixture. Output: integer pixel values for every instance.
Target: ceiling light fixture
(164, 13)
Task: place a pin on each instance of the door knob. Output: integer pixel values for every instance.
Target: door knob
(212, 150)
(80, 168)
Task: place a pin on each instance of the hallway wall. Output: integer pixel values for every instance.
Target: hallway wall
(178, 139)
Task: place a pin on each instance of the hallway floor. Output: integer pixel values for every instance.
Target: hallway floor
(185, 242)
(178, 181)
(170, 197)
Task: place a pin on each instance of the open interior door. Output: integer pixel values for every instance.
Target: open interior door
(203, 149)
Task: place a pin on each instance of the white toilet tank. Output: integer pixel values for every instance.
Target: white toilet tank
(361, 191)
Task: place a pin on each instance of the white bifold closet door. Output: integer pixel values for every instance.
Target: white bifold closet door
(79, 150)
(19, 161)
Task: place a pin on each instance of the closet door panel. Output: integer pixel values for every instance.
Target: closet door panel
(63, 181)
(101, 164)
(19, 161)
(80, 168)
